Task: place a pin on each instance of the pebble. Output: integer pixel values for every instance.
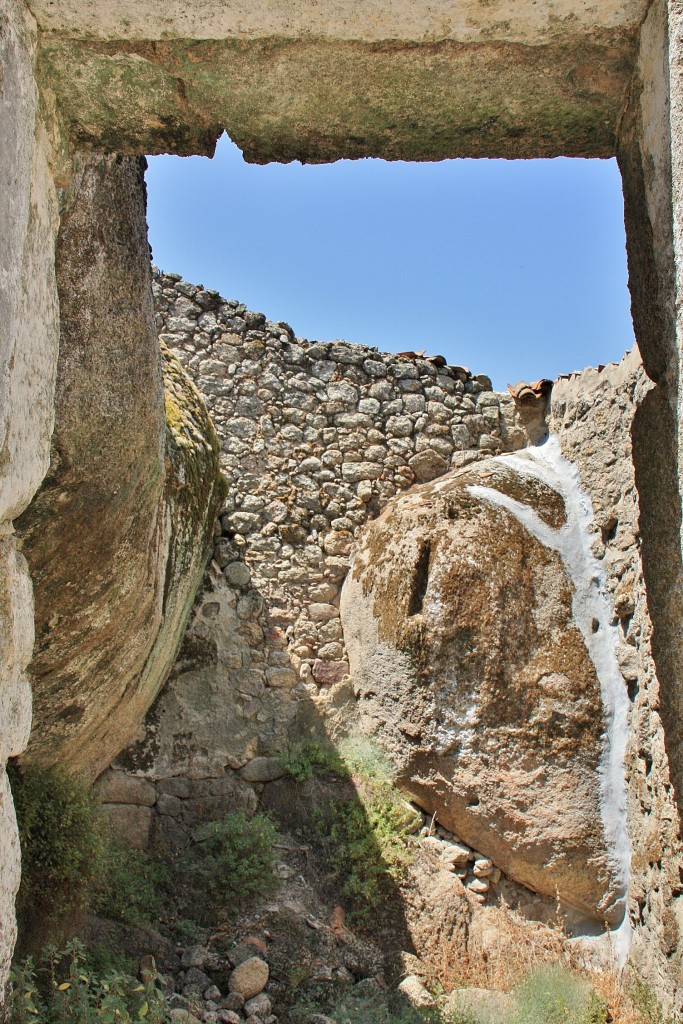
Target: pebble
(454, 853)
(233, 1002)
(179, 1016)
(259, 1006)
(250, 978)
(413, 989)
(478, 885)
(193, 956)
(196, 981)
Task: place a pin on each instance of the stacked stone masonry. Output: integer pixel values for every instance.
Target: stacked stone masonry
(315, 439)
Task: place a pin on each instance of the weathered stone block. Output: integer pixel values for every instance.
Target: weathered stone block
(117, 787)
(132, 823)
(263, 769)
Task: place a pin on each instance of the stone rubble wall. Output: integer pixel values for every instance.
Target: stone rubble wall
(315, 439)
(592, 414)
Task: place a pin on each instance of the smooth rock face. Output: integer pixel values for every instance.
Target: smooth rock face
(117, 536)
(470, 671)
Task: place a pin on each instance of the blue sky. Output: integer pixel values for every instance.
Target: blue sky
(516, 269)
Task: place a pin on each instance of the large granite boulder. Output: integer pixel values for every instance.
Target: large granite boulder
(471, 666)
(117, 537)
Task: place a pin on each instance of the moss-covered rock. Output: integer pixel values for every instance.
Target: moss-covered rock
(117, 537)
(319, 99)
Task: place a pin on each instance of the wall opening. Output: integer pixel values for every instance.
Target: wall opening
(516, 269)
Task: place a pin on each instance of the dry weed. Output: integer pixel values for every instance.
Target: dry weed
(513, 948)
(628, 999)
(507, 950)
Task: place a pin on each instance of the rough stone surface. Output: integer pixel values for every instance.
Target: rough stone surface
(263, 769)
(222, 616)
(592, 415)
(415, 992)
(489, 1007)
(472, 22)
(117, 788)
(551, 80)
(29, 338)
(29, 315)
(649, 152)
(250, 978)
(267, 95)
(117, 537)
(259, 1006)
(132, 822)
(459, 623)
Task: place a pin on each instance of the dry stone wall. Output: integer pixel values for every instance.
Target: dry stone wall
(315, 439)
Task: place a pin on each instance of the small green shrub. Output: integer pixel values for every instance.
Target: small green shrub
(373, 837)
(554, 995)
(63, 841)
(132, 885)
(367, 837)
(646, 1004)
(304, 760)
(64, 990)
(73, 861)
(364, 758)
(235, 860)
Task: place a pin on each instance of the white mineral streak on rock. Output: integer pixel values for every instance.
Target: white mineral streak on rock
(593, 616)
